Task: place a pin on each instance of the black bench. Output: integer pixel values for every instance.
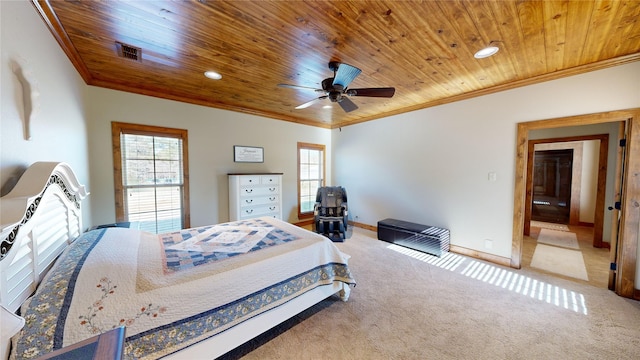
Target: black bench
(430, 239)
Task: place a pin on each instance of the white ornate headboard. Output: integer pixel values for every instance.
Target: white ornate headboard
(39, 218)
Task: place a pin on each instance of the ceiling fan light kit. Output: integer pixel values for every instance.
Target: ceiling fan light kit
(335, 88)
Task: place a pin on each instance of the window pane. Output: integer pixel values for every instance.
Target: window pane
(304, 156)
(140, 200)
(304, 172)
(313, 188)
(146, 221)
(314, 172)
(314, 157)
(168, 172)
(307, 203)
(167, 148)
(158, 209)
(168, 197)
(138, 172)
(169, 221)
(137, 146)
(304, 188)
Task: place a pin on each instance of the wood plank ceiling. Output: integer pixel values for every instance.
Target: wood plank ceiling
(422, 48)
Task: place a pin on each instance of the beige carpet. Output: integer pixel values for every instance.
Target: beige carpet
(559, 238)
(561, 261)
(411, 306)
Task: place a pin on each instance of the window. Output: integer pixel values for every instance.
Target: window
(151, 176)
(310, 176)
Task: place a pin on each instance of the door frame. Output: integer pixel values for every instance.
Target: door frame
(630, 213)
(617, 197)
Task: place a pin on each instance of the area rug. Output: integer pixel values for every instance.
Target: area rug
(546, 225)
(559, 260)
(563, 239)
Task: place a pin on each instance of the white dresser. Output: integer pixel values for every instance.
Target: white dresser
(255, 195)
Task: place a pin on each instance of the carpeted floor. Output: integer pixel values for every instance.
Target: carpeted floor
(408, 305)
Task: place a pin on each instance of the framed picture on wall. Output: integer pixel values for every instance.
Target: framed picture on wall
(250, 154)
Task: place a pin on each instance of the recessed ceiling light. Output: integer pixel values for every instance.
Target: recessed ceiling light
(486, 52)
(327, 107)
(212, 75)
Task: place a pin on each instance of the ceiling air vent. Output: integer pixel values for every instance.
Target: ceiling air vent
(129, 52)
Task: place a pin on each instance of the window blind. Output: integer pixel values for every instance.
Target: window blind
(153, 181)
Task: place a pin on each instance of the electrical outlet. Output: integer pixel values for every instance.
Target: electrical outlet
(493, 177)
(488, 243)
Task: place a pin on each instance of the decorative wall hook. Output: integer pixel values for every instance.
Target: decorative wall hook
(30, 94)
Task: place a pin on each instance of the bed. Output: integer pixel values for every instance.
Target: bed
(194, 293)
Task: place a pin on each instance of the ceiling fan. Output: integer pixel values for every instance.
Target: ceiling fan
(335, 88)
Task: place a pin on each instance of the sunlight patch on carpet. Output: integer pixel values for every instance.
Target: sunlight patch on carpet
(448, 260)
(504, 278)
(527, 286)
(560, 261)
(563, 239)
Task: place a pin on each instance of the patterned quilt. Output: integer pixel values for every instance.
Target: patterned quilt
(202, 245)
(173, 290)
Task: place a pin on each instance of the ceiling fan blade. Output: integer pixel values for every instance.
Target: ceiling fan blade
(386, 92)
(309, 103)
(345, 75)
(347, 105)
(299, 87)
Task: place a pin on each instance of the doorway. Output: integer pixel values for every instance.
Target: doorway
(564, 187)
(627, 242)
(591, 211)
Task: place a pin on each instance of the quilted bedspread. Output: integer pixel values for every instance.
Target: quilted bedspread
(173, 290)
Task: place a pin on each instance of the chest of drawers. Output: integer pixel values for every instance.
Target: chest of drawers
(255, 195)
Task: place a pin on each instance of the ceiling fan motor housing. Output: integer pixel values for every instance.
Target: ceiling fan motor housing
(334, 91)
(335, 96)
(327, 84)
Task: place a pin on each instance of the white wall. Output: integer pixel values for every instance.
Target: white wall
(431, 166)
(58, 129)
(212, 134)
